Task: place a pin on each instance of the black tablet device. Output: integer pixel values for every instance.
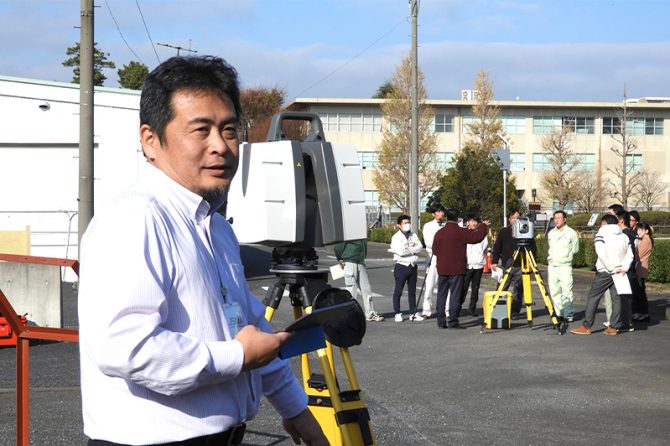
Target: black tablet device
(319, 316)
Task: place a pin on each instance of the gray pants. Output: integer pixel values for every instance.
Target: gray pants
(601, 283)
(356, 275)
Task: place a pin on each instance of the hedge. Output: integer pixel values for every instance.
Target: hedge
(659, 266)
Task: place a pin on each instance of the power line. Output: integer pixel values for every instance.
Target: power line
(353, 58)
(121, 34)
(147, 29)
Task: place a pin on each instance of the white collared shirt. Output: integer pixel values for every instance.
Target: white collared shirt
(158, 363)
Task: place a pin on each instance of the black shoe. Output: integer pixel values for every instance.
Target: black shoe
(441, 326)
(516, 316)
(473, 312)
(457, 326)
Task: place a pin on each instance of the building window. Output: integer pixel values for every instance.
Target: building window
(634, 163)
(541, 162)
(587, 162)
(444, 124)
(611, 126)
(371, 198)
(653, 126)
(543, 125)
(634, 126)
(443, 160)
(329, 121)
(368, 160)
(351, 122)
(514, 125)
(466, 121)
(372, 122)
(517, 162)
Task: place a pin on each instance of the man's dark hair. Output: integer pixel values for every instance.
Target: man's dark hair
(473, 217)
(451, 215)
(403, 217)
(203, 74)
(435, 208)
(512, 212)
(561, 211)
(635, 214)
(610, 219)
(615, 208)
(625, 216)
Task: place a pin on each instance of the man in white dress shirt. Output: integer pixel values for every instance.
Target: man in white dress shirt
(429, 230)
(176, 350)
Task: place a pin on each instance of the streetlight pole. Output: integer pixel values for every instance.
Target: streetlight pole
(502, 159)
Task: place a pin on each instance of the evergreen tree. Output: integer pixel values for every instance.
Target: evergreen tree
(99, 63)
(132, 75)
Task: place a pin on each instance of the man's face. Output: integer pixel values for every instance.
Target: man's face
(472, 224)
(513, 218)
(632, 221)
(200, 146)
(559, 220)
(438, 215)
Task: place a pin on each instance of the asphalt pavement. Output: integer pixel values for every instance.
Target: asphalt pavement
(423, 385)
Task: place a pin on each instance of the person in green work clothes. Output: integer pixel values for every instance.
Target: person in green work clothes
(563, 245)
(351, 256)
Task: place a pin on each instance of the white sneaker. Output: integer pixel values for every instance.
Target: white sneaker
(606, 324)
(417, 317)
(570, 318)
(398, 317)
(374, 317)
(426, 314)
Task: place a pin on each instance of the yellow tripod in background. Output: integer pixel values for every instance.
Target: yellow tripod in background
(342, 414)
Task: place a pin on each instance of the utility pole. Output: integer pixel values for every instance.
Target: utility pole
(85, 118)
(178, 48)
(413, 157)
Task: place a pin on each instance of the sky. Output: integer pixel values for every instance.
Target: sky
(544, 50)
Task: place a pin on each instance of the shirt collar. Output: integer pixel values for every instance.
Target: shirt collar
(188, 202)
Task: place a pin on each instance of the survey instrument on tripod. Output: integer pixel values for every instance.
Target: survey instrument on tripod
(295, 195)
(523, 232)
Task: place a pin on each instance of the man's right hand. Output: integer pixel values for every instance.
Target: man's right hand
(260, 348)
(494, 267)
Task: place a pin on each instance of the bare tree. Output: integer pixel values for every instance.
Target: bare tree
(484, 130)
(649, 189)
(392, 175)
(588, 195)
(624, 145)
(559, 181)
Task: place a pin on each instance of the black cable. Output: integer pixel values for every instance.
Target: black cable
(147, 29)
(120, 33)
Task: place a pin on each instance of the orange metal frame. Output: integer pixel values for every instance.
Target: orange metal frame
(24, 334)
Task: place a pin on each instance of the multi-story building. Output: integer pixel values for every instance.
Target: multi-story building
(594, 125)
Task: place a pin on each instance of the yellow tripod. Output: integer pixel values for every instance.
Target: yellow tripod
(528, 267)
(342, 414)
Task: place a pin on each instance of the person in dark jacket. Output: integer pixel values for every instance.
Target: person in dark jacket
(503, 252)
(450, 248)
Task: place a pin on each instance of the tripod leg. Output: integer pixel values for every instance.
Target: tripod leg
(557, 322)
(527, 292)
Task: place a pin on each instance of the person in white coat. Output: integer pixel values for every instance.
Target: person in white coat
(405, 246)
(429, 231)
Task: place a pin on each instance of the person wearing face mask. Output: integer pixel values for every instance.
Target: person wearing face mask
(405, 246)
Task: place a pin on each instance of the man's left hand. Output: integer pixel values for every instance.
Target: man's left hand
(305, 427)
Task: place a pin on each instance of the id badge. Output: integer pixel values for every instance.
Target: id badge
(234, 318)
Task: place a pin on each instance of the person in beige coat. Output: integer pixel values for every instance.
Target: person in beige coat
(645, 245)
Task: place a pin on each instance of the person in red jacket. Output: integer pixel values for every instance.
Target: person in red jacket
(450, 248)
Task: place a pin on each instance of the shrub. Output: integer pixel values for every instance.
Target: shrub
(382, 235)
